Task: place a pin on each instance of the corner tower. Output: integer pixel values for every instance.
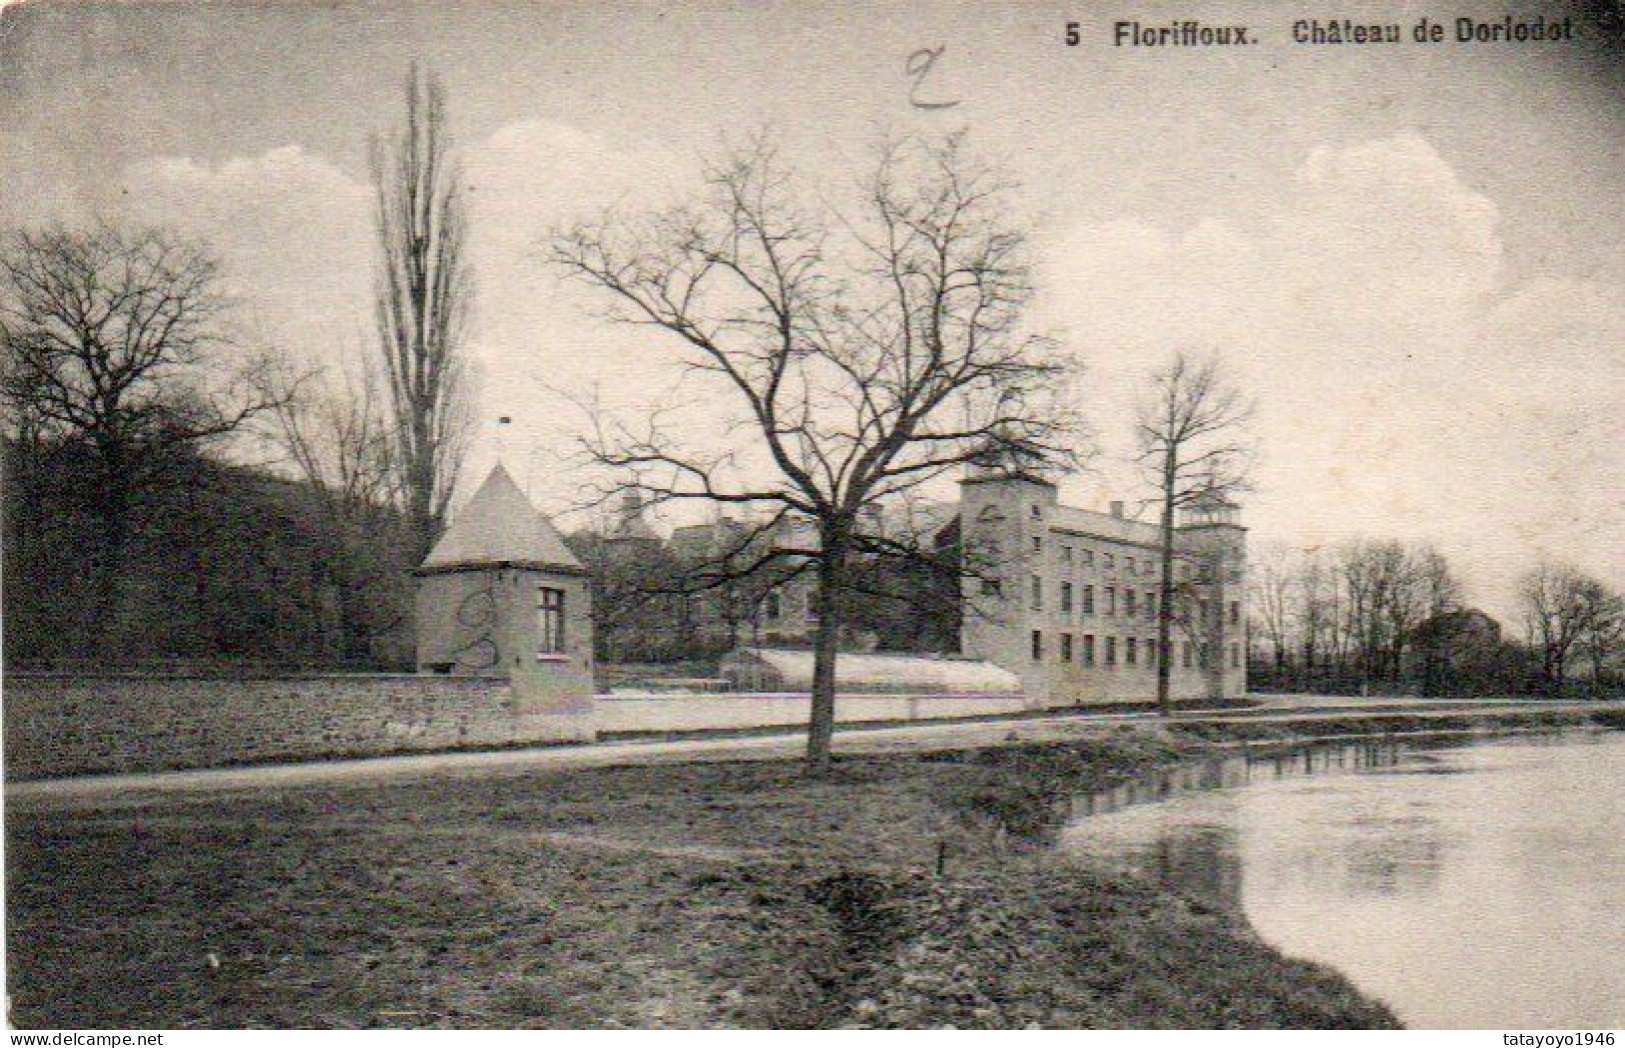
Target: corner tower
(1212, 538)
(502, 595)
(1006, 505)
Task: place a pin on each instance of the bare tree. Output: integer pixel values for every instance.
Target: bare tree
(337, 437)
(423, 295)
(1271, 586)
(116, 354)
(1557, 606)
(1603, 635)
(1438, 595)
(861, 357)
(1319, 602)
(1192, 447)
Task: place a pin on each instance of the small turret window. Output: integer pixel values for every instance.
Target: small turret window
(550, 621)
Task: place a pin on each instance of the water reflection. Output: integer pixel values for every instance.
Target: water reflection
(1467, 883)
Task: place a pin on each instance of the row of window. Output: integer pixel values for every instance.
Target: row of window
(1131, 602)
(1133, 648)
(1145, 566)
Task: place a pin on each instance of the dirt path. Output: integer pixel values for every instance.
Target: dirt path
(101, 790)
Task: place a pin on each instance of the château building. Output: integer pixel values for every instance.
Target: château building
(1068, 597)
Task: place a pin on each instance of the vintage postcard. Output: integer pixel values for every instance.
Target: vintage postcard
(995, 515)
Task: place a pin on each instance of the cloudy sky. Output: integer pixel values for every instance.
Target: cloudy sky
(1414, 257)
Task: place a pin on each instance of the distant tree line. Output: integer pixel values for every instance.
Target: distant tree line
(223, 568)
(1387, 617)
(130, 400)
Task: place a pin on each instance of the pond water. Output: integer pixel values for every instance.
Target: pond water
(1468, 885)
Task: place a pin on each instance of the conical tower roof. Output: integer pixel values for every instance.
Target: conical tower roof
(499, 526)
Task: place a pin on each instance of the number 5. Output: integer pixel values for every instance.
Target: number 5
(1072, 36)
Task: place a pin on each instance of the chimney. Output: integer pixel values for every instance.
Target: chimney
(1117, 508)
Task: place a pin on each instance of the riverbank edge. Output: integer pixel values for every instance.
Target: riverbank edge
(1013, 883)
(907, 889)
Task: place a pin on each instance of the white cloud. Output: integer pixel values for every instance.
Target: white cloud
(1403, 388)
(293, 229)
(295, 232)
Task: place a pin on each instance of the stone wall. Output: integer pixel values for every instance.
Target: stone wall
(62, 725)
(58, 725)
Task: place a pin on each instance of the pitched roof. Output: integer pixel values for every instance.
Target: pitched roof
(500, 526)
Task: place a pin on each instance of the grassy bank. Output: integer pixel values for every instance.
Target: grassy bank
(907, 890)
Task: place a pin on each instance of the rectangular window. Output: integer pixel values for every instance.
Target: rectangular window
(1235, 656)
(1111, 600)
(1235, 613)
(1128, 602)
(1131, 565)
(1111, 651)
(1131, 650)
(1151, 658)
(1066, 554)
(1066, 647)
(549, 621)
(1088, 649)
(1038, 645)
(1038, 544)
(1185, 655)
(1038, 593)
(1066, 598)
(1151, 604)
(1089, 558)
(1111, 562)
(1088, 600)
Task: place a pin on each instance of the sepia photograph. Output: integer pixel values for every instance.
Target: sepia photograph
(856, 514)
